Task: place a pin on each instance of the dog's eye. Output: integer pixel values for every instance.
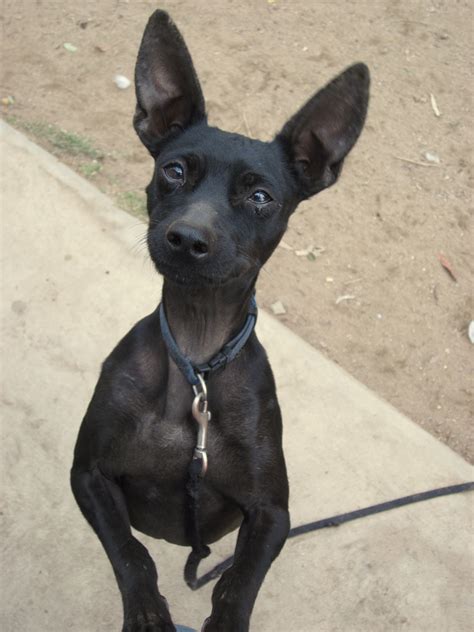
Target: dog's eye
(174, 172)
(260, 197)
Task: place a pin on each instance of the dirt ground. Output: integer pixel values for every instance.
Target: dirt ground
(373, 294)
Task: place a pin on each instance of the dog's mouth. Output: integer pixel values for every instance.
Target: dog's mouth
(190, 277)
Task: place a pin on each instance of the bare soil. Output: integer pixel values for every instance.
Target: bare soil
(374, 296)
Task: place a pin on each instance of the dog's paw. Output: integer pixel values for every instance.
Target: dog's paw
(147, 622)
(224, 624)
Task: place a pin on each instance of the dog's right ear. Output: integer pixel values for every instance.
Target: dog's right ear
(169, 97)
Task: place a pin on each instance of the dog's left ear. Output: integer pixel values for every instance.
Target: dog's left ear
(319, 136)
(169, 97)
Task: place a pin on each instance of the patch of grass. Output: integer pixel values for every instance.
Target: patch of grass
(63, 143)
(133, 202)
(90, 169)
(66, 142)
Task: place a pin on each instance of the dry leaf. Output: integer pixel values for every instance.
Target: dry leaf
(447, 266)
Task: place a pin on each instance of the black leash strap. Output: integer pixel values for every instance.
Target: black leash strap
(196, 375)
(335, 521)
(199, 549)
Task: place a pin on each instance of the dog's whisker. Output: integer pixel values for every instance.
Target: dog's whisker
(140, 242)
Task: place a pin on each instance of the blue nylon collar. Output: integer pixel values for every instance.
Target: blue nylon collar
(228, 352)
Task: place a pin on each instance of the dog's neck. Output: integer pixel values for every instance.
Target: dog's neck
(202, 320)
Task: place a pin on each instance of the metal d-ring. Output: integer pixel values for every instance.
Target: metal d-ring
(203, 386)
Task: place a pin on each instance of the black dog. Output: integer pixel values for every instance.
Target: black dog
(218, 204)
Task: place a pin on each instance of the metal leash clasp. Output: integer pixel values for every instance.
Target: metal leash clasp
(202, 416)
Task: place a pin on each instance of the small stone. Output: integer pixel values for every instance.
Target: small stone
(122, 82)
(278, 308)
(432, 157)
(470, 331)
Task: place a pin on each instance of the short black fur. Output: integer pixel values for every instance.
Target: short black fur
(218, 205)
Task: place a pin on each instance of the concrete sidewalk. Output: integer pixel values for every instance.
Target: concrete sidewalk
(73, 284)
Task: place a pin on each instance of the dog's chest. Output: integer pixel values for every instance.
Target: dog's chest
(155, 460)
(158, 446)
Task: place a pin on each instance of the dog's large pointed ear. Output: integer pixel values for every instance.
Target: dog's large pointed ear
(169, 97)
(321, 134)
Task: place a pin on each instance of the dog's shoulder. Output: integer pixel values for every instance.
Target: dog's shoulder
(131, 373)
(143, 336)
(127, 387)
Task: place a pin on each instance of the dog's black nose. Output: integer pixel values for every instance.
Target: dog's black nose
(187, 239)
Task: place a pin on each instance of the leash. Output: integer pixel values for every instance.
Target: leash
(339, 519)
(196, 375)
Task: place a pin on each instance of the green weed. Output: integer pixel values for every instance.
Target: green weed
(90, 169)
(66, 142)
(133, 202)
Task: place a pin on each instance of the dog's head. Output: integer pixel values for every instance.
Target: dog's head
(219, 202)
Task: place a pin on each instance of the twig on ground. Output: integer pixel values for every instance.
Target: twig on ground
(416, 162)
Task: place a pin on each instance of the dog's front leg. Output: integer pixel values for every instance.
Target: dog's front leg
(102, 503)
(261, 538)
